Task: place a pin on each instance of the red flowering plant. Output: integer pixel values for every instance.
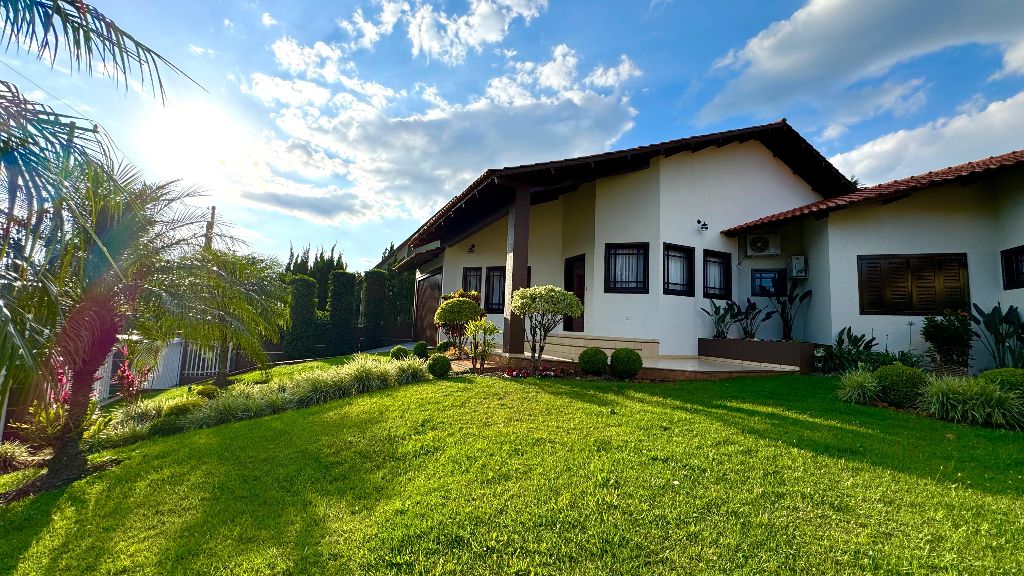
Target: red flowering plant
(542, 372)
(128, 382)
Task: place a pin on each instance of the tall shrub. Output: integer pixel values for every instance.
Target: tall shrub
(343, 313)
(453, 316)
(544, 308)
(949, 339)
(375, 290)
(301, 338)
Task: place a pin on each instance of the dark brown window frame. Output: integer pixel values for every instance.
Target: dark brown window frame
(1012, 280)
(780, 286)
(863, 258)
(726, 271)
(480, 275)
(494, 307)
(691, 257)
(608, 248)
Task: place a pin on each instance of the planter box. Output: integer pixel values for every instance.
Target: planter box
(800, 354)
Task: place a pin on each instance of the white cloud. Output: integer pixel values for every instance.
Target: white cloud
(229, 24)
(365, 33)
(200, 51)
(1013, 61)
(324, 62)
(560, 72)
(827, 46)
(268, 20)
(272, 90)
(973, 134)
(448, 38)
(614, 77)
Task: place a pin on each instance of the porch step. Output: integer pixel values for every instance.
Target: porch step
(566, 345)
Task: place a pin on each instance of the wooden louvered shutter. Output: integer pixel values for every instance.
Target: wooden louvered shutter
(872, 295)
(952, 283)
(925, 285)
(896, 284)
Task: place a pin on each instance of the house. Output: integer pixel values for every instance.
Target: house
(646, 236)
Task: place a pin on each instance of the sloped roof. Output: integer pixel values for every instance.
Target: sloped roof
(889, 190)
(548, 180)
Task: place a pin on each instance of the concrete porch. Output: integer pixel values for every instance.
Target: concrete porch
(666, 369)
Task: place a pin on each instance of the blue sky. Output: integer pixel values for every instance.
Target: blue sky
(349, 123)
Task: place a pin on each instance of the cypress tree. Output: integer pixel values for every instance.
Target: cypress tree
(300, 340)
(343, 312)
(375, 290)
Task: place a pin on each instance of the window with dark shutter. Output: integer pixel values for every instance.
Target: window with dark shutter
(494, 295)
(471, 278)
(717, 274)
(678, 270)
(1013, 268)
(625, 268)
(912, 284)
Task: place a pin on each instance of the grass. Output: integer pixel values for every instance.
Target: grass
(487, 475)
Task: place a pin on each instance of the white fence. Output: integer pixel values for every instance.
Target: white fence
(178, 360)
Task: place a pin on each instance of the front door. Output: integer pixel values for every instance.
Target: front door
(575, 282)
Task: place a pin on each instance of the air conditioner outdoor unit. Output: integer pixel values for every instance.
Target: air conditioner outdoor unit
(764, 245)
(798, 266)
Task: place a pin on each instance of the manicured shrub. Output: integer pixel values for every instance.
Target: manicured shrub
(237, 403)
(1011, 379)
(421, 349)
(343, 312)
(14, 456)
(443, 346)
(312, 387)
(206, 391)
(439, 366)
(543, 308)
(367, 373)
(454, 315)
(593, 361)
(900, 385)
(300, 340)
(409, 370)
(399, 353)
(972, 401)
(374, 303)
(626, 363)
(858, 387)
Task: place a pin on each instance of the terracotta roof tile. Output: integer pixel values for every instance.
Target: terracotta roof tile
(887, 190)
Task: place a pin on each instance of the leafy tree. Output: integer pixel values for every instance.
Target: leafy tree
(300, 340)
(343, 312)
(374, 303)
(544, 308)
(481, 333)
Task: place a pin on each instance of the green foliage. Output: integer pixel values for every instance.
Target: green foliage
(14, 456)
(900, 385)
(206, 391)
(300, 340)
(858, 387)
(481, 333)
(400, 296)
(421, 349)
(343, 313)
(723, 316)
(460, 293)
(409, 371)
(788, 307)
(43, 426)
(453, 316)
(849, 353)
(318, 385)
(399, 353)
(751, 318)
(949, 339)
(439, 366)
(374, 303)
(543, 308)
(626, 363)
(1002, 334)
(368, 373)
(182, 407)
(320, 268)
(237, 403)
(593, 361)
(444, 346)
(1011, 379)
(975, 401)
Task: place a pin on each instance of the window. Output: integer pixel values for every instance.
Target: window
(494, 302)
(625, 268)
(471, 278)
(678, 273)
(717, 274)
(1013, 268)
(769, 283)
(912, 284)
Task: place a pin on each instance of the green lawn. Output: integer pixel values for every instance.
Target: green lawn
(487, 475)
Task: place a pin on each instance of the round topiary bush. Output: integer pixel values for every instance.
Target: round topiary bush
(443, 346)
(206, 391)
(420, 349)
(900, 385)
(439, 366)
(626, 363)
(593, 361)
(1009, 379)
(399, 353)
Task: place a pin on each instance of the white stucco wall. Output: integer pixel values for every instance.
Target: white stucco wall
(947, 219)
(1010, 215)
(814, 323)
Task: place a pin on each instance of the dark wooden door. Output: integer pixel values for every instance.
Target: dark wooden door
(575, 282)
(428, 298)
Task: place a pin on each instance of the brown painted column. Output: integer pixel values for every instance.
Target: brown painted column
(516, 255)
